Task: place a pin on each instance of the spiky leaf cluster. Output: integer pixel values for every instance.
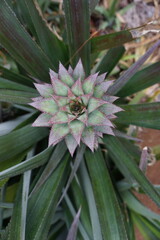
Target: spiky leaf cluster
(76, 108)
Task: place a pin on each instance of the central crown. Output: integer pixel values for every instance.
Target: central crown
(78, 109)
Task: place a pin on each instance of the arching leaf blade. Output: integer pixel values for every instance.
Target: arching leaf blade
(15, 77)
(42, 204)
(23, 48)
(120, 154)
(112, 225)
(110, 59)
(17, 141)
(14, 96)
(125, 77)
(143, 115)
(141, 80)
(10, 85)
(31, 163)
(54, 48)
(77, 16)
(18, 220)
(111, 40)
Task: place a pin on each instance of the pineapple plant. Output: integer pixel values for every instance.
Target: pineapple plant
(76, 108)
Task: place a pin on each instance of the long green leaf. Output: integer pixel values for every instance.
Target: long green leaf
(110, 216)
(29, 164)
(87, 187)
(74, 227)
(7, 84)
(2, 199)
(78, 27)
(125, 136)
(18, 220)
(51, 45)
(110, 60)
(24, 17)
(77, 161)
(148, 229)
(135, 154)
(80, 200)
(72, 213)
(110, 40)
(138, 207)
(124, 78)
(7, 164)
(42, 204)
(129, 225)
(151, 228)
(141, 80)
(58, 229)
(143, 115)
(120, 155)
(21, 46)
(53, 162)
(20, 140)
(15, 77)
(14, 96)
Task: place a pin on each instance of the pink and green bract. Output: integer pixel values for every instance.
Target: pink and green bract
(76, 108)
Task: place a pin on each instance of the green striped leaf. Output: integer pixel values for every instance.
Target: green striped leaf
(110, 60)
(143, 115)
(72, 234)
(110, 216)
(9, 163)
(7, 84)
(77, 15)
(53, 162)
(23, 49)
(88, 190)
(77, 161)
(31, 163)
(18, 220)
(14, 96)
(135, 205)
(15, 77)
(71, 213)
(80, 201)
(121, 156)
(141, 80)
(149, 229)
(20, 140)
(51, 45)
(110, 40)
(124, 78)
(42, 204)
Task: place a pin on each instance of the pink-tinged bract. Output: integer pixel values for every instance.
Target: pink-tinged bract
(77, 109)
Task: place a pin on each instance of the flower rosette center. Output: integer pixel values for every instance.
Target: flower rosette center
(76, 108)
